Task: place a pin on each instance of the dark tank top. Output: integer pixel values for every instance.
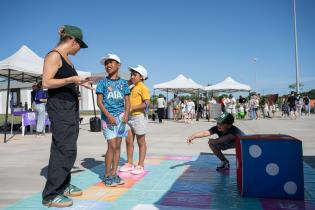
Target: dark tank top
(67, 92)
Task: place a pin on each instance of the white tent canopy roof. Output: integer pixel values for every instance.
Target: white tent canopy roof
(195, 84)
(25, 66)
(228, 85)
(179, 84)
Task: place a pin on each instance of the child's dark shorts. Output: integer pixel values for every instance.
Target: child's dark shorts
(224, 145)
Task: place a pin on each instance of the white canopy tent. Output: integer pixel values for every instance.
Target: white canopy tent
(23, 66)
(228, 85)
(180, 84)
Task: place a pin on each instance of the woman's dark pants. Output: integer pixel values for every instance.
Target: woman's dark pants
(64, 117)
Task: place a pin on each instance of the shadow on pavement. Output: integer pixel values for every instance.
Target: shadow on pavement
(97, 166)
(90, 163)
(310, 160)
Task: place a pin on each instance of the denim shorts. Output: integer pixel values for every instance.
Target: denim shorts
(119, 130)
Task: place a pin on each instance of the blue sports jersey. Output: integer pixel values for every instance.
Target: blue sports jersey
(114, 92)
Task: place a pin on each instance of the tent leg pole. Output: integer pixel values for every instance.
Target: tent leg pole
(153, 100)
(7, 108)
(166, 114)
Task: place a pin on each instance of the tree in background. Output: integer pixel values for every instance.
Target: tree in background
(293, 86)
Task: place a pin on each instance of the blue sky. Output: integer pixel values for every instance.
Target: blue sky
(206, 40)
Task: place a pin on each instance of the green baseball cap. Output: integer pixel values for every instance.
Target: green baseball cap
(74, 32)
(225, 118)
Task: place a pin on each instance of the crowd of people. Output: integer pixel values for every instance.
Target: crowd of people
(252, 107)
(181, 109)
(294, 105)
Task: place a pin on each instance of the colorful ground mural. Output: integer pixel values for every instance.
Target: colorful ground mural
(172, 182)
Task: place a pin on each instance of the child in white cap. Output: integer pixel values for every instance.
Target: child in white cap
(113, 101)
(139, 100)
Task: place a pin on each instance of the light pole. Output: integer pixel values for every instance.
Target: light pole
(297, 77)
(255, 79)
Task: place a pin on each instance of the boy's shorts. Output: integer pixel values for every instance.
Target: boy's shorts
(115, 131)
(225, 145)
(138, 123)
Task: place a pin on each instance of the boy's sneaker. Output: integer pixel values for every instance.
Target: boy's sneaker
(109, 181)
(59, 201)
(137, 170)
(118, 180)
(72, 191)
(224, 165)
(126, 167)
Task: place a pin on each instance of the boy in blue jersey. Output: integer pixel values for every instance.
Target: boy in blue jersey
(113, 101)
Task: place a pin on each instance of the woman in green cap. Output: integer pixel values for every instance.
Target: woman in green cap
(61, 80)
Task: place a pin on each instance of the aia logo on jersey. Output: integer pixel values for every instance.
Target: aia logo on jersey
(114, 95)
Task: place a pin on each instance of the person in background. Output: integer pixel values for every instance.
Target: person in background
(212, 101)
(285, 107)
(253, 106)
(33, 92)
(222, 101)
(266, 108)
(161, 104)
(183, 107)
(242, 103)
(199, 112)
(232, 105)
(40, 108)
(306, 100)
(190, 110)
(61, 79)
(176, 107)
(299, 105)
(258, 98)
(292, 100)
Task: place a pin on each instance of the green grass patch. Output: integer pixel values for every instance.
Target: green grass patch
(17, 119)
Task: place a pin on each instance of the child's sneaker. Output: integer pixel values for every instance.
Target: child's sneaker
(126, 167)
(59, 201)
(118, 180)
(109, 181)
(137, 170)
(72, 191)
(224, 165)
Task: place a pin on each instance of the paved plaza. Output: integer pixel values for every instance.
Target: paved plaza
(178, 175)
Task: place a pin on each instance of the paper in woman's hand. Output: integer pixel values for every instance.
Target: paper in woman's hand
(94, 78)
(88, 85)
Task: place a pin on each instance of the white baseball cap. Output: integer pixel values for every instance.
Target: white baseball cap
(109, 56)
(141, 70)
